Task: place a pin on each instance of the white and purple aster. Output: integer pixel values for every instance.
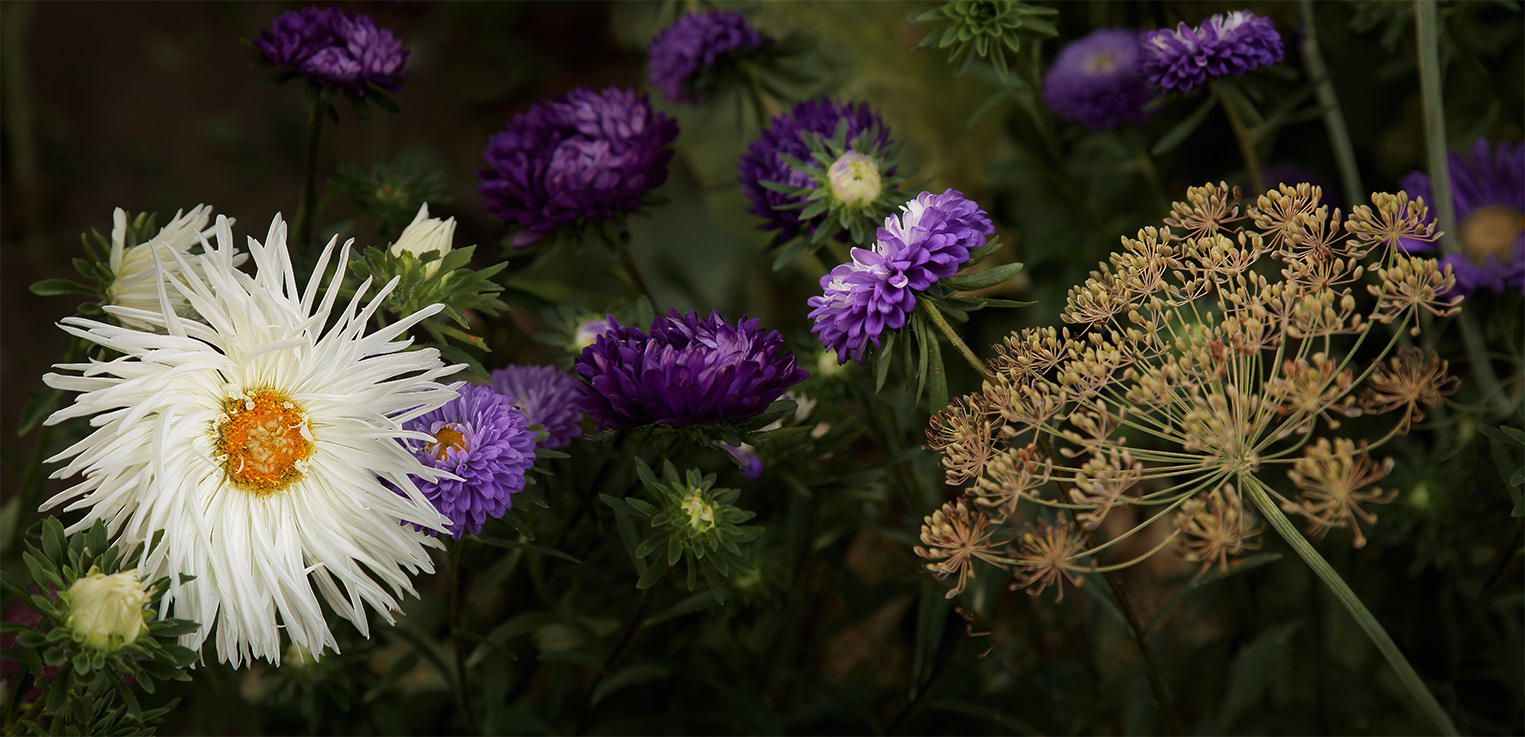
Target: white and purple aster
(1226, 44)
(1095, 81)
(688, 371)
(331, 47)
(484, 440)
(786, 136)
(687, 57)
(929, 241)
(585, 157)
(546, 395)
(1488, 192)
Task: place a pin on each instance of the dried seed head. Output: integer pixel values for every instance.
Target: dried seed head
(1409, 379)
(955, 536)
(1214, 529)
(1046, 556)
(962, 434)
(1336, 479)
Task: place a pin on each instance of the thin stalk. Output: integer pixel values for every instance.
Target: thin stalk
(306, 208)
(963, 349)
(1363, 616)
(1242, 135)
(1482, 365)
(1428, 40)
(628, 262)
(619, 649)
(1329, 104)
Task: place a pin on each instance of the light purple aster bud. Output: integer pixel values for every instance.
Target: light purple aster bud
(484, 440)
(855, 179)
(547, 396)
(687, 371)
(746, 458)
(685, 57)
(585, 157)
(928, 241)
(588, 332)
(1225, 44)
(331, 47)
(1488, 196)
(1095, 80)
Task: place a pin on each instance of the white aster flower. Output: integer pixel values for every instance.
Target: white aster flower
(266, 441)
(426, 234)
(136, 269)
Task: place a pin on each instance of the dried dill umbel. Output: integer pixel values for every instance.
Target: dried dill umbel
(1201, 377)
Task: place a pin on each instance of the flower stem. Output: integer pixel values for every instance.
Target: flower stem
(1363, 616)
(1329, 103)
(309, 203)
(1428, 42)
(1242, 135)
(943, 327)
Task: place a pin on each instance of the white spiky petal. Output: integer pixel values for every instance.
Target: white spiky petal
(136, 269)
(261, 561)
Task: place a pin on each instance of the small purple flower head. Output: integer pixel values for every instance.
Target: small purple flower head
(588, 331)
(547, 396)
(785, 136)
(929, 241)
(585, 157)
(1225, 44)
(1488, 192)
(1095, 81)
(685, 55)
(485, 441)
(687, 371)
(331, 47)
(746, 459)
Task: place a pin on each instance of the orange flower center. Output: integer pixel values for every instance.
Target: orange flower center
(264, 441)
(449, 436)
(1490, 231)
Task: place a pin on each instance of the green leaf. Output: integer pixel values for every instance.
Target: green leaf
(1213, 575)
(53, 287)
(38, 407)
(693, 604)
(653, 574)
(499, 542)
(972, 280)
(931, 618)
(1176, 135)
(937, 373)
(1254, 668)
(635, 674)
(882, 362)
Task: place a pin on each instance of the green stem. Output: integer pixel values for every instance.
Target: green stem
(1482, 365)
(1363, 616)
(1242, 135)
(306, 208)
(1329, 103)
(1428, 41)
(943, 327)
(457, 584)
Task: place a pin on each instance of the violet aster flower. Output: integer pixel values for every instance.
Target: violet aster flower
(331, 47)
(585, 157)
(929, 241)
(547, 396)
(785, 136)
(687, 58)
(746, 459)
(688, 371)
(485, 440)
(1225, 44)
(1488, 192)
(1095, 81)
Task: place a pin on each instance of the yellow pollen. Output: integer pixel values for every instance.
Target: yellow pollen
(264, 441)
(1100, 63)
(449, 436)
(1491, 231)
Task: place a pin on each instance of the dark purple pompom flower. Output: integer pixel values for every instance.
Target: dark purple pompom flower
(763, 161)
(1488, 192)
(929, 241)
(329, 46)
(547, 396)
(1095, 81)
(585, 157)
(1225, 44)
(688, 371)
(485, 440)
(684, 54)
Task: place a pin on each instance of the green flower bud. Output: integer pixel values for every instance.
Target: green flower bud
(855, 179)
(106, 611)
(426, 234)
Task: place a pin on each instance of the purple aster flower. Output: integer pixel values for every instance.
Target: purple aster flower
(785, 136)
(547, 396)
(585, 157)
(588, 331)
(329, 46)
(1225, 44)
(685, 56)
(687, 371)
(1488, 193)
(746, 459)
(929, 241)
(485, 440)
(1095, 81)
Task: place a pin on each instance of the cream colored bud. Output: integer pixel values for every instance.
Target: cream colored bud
(701, 513)
(426, 234)
(106, 611)
(854, 179)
